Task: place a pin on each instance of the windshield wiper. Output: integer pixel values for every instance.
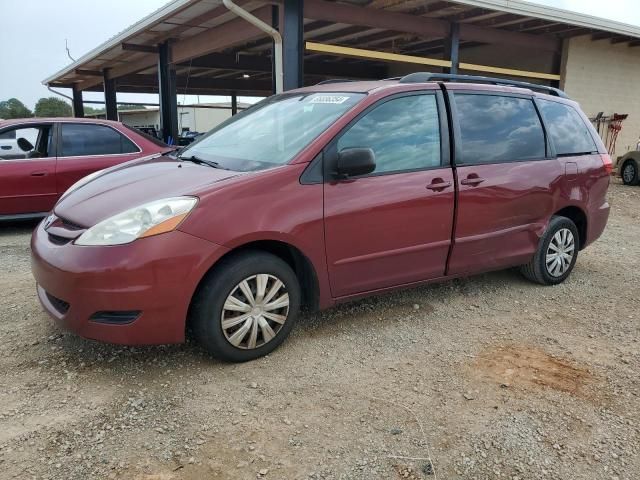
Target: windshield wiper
(202, 161)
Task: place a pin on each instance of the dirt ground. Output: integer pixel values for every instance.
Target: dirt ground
(490, 377)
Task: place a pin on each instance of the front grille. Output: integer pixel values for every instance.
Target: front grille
(70, 225)
(61, 306)
(57, 239)
(115, 317)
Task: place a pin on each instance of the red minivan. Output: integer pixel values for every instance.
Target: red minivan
(40, 158)
(322, 195)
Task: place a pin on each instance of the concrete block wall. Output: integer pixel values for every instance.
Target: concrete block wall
(605, 77)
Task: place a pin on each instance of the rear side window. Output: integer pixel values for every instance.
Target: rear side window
(566, 128)
(86, 139)
(404, 134)
(496, 129)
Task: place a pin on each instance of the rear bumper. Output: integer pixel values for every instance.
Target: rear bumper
(150, 282)
(597, 221)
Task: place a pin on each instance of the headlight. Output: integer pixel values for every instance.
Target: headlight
(146, 220)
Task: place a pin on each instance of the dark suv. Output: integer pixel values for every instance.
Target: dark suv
(321, 195)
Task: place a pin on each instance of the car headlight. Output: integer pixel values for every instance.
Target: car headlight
(152, 218)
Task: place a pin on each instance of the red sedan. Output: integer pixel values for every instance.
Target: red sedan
(40, 158)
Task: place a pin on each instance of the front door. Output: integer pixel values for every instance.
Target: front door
(393, 226)
(27, 170)
(506, 181)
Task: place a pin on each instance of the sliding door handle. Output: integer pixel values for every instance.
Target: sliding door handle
(438, 185)
(473, 181)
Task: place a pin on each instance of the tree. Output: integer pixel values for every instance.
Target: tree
(92, 111)
(52, 107)
(14, 108)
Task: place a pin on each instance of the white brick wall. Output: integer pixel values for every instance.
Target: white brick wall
(605, 77)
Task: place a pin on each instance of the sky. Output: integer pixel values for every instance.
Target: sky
(33, 34)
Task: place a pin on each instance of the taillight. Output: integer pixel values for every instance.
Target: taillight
(606, 160)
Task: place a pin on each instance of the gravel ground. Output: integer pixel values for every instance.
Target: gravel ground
(491, 377)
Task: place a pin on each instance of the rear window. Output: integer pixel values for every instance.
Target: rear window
(567, 130)
(151, 138)
(497, 129)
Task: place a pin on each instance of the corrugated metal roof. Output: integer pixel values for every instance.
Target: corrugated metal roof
(182, 19)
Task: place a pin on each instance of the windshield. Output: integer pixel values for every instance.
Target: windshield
(272, 132)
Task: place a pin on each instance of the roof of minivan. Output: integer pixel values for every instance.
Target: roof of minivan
(394, 84)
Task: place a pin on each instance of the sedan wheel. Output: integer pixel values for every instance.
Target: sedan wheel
(255, 311)
(560, 252)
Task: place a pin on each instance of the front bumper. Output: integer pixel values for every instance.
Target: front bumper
(151, 281)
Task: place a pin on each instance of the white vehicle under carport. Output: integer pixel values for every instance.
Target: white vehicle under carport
(9, 146)
(629, 168)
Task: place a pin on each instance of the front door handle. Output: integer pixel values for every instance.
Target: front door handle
(39, 174)
(473, 181)
(438, 184)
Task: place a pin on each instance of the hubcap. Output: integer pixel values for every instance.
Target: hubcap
(629, 172)
(560, 252)
(255, 311)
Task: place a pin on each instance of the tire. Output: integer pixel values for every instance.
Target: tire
(537, 270)
(221, 297)
(629, 173)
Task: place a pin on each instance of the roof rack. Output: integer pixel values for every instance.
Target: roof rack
(421, 77)
(334, 80)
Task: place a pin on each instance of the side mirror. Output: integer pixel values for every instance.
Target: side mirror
(355, 161)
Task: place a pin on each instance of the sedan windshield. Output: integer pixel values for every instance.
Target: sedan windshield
(272, 132)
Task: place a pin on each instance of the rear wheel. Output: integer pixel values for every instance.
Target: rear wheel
(556, 254)
(630, 173)
(246, 307)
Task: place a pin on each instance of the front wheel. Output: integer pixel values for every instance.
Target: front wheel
(630, 173)
(246, 307)
(556, 254)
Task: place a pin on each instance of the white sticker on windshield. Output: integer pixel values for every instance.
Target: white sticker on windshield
(335, 99)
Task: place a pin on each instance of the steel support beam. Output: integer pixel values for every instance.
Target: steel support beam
(168, 95)
(422, 26)
(197, 85)
(111, 107)
(78, 105)
(293, 44)
(452, 49)
(256, 63)
(132, 47)
(275, 23)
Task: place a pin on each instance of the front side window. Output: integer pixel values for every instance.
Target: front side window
(567, 130)
(26, 142)
(404, 134)
(497, 129)
(82, 139)
(273, 132)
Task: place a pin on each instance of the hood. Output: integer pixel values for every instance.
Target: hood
(133, 184)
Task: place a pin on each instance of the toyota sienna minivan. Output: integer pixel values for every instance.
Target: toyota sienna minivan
(322, 195)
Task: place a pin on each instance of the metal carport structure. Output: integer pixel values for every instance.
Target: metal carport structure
(200, 47)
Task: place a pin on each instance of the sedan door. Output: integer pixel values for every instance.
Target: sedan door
(87, 147)
(393, 226)
(506, 181)
(27, 170)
